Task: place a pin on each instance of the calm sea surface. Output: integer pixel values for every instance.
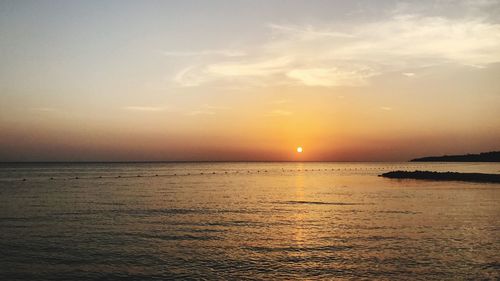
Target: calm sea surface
(233, 221)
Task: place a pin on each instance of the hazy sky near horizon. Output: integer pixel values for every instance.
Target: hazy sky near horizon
(248, 80)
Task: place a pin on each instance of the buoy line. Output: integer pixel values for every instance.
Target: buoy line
(283, 170)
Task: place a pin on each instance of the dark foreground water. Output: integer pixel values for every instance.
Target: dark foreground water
(230, 221)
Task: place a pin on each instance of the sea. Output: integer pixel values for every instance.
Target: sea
(246, 221)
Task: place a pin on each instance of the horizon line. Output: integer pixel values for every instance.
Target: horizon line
(195, 161)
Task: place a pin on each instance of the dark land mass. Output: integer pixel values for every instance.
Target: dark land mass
(443, 176)
(493, 156)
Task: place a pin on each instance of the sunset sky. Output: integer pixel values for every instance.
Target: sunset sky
(248, 80)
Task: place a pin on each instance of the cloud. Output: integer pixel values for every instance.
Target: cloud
(408, 74)
(224, 53)
(279, 112)
(386, 108)
(44, 109)
(200, 112)
(263, 67)
(307, 32)
(329, 77)
(206, 109)
(190, 77)
(281, 101)
(143, 108)
(349, 55)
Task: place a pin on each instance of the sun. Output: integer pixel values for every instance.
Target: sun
(299, 149)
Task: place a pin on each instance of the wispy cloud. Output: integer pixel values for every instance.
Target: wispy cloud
(206, 109)
(191, 76)
(329, 77)
(200, 112)
(224, 53)
(264, 67)
(44, 109)
(281, 101)
(386, 108)
(335, 55)
(307, 32)
(279, 112)
(144, 108)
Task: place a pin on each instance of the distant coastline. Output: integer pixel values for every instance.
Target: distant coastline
(493, 156)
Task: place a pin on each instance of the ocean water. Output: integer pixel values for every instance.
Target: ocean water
(246, 221)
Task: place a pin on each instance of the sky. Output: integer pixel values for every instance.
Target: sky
(248, 80)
